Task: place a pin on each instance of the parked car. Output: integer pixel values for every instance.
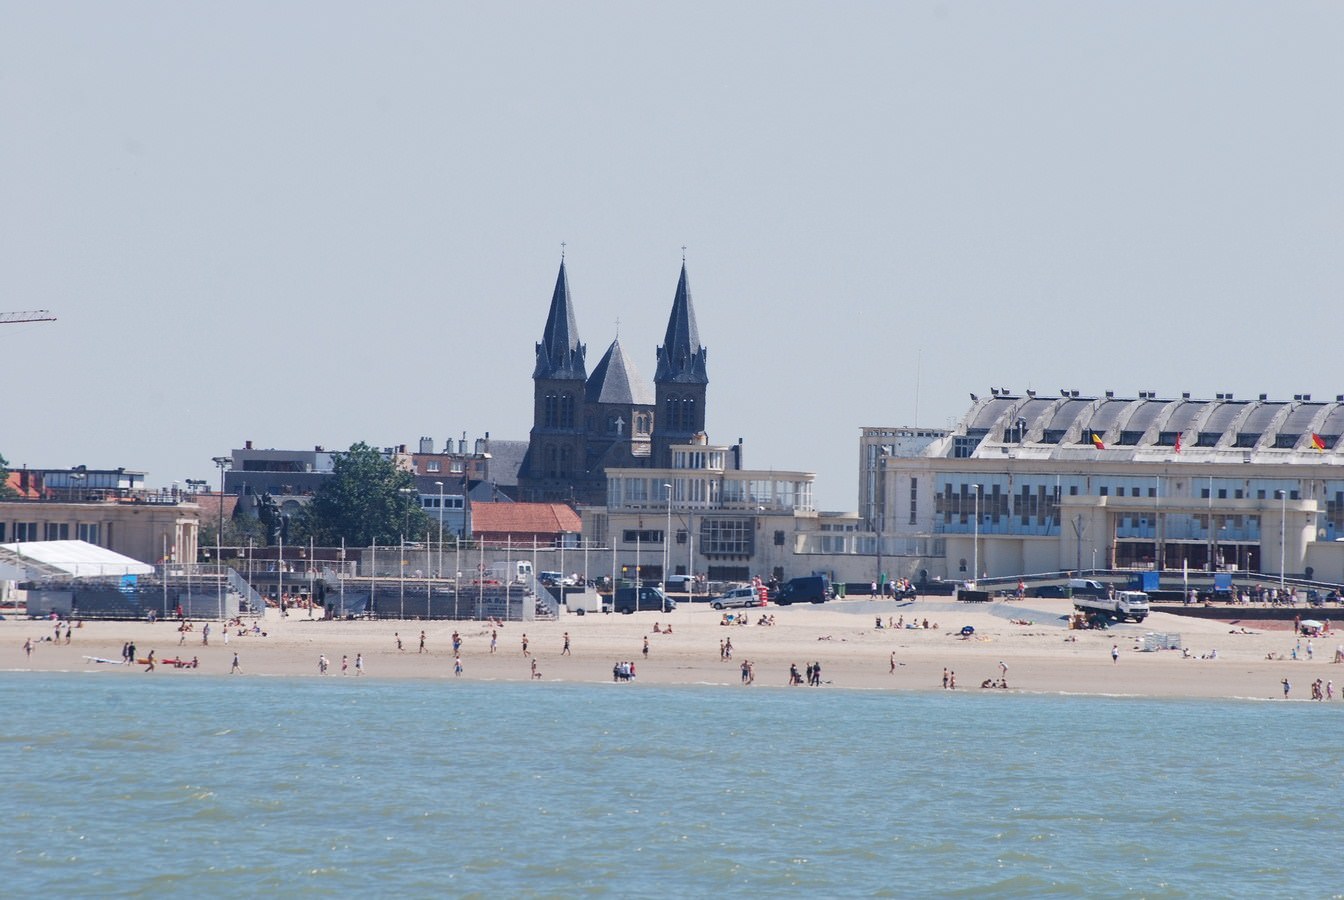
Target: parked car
(737, 598)
(1049, 590)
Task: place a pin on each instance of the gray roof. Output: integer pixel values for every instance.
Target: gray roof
(506, 457)
(560, 355)
(616, 380)
(681, 358)
(1144, 427)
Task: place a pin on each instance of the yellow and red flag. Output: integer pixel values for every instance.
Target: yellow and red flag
(1317, 441)
(1096, 441)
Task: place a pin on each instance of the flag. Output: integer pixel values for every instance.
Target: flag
(1096, 441)
(1178, 442)
(1317, 441)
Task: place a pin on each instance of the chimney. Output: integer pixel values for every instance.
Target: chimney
(247, 445)
(426, 445)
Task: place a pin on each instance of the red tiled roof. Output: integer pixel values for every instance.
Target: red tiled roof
(530, 518)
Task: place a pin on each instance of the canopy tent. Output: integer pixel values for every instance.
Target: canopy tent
(78, 559)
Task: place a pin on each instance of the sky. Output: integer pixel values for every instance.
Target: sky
(306, 223)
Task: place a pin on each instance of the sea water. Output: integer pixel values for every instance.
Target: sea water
(192, 785)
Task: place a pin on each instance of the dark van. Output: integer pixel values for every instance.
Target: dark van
(630, 599)
(807, 589)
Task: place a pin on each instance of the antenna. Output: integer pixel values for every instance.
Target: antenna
(32, 315)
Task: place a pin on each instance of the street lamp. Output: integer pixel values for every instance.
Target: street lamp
(223, 462)
(1283, 534)
(667, 535)
(76, 476)
(440, 484)
(975, 545)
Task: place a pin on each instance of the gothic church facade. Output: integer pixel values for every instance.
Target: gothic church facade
(584, 424)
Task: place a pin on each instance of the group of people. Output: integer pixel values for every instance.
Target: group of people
(623, 671)
(813, 674)
(900, 623)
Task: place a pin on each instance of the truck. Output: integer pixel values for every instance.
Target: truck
(805, 589)
(1120, 605)
(628, 600)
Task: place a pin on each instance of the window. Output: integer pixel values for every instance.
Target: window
(455, 467)
(87, 533)
(432, 466)
(642, 536)
(25, 531)
(1103, 491)
(58, 531)
(727, 537)
(914, 495)
(779, 538)
(551, 411)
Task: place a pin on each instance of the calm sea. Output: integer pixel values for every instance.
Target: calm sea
(206, 786)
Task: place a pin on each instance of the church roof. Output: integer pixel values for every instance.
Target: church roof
(616, 380)
(681, 359)
(560, 355)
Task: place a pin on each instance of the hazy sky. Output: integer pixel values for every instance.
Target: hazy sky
(320, 222)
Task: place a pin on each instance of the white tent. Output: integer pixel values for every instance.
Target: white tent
(78, 559)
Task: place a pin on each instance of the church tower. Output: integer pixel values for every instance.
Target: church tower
(680, 381)
(555, 453)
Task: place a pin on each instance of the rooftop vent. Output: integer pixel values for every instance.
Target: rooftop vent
(1073, 393)
(1032, 393)
(1264, 397)
(1110, 395)
(1185, 395)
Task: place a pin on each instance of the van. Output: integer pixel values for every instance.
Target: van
(1086, 587)
(807, 589)
(631, 599)
(517, 571)
(679, 583)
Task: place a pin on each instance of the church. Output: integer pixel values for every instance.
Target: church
(584, 424)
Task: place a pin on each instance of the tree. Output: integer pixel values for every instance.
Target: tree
(6, 492)
(366, 499)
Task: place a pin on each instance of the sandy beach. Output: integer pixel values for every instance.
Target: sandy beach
(1043, 656)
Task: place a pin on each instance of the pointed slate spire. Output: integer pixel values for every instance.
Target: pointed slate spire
(616, 380)
(681, 359)
(560, 355)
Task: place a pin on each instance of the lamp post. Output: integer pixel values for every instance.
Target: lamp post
(74, 477)
(667, 535)
(440, 484)
(223, 462)
(975, 544)
(1283, 535)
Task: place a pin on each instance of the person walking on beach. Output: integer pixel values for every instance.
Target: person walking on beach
(721, 656)
(494, 639)
(951, 681)
(149, 662)
(28, 648)
(728, 649)
(345, 664)
(457, 666)
(944, 677)
(398, 637)
(235, 669)
(1286, 688)
(646, 646)
(1115, 653)
(892, 670)
(205, 635)
(1003, 670)
(130, 654)
(565, 650)
(422, 642)
(525, 650)
(322, 664)
(535, 673)
(359, 664)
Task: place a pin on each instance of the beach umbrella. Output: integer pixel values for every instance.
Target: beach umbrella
(1310, 623)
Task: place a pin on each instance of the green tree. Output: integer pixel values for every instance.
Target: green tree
(6, 491)
(366, 499)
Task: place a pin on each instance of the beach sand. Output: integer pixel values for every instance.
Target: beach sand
(1043, 656)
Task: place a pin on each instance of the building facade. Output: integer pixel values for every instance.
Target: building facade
(1030, 484)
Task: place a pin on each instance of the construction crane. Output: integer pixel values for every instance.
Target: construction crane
(32, 315)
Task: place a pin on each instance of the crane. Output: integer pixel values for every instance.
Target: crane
(32, 315)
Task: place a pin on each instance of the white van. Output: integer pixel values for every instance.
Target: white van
(518, 571)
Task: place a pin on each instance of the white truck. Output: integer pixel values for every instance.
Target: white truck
(1119, 605)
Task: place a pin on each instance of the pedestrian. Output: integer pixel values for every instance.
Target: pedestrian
(646, 646)
(1286, 688)
(728, 649)
(565, 650)
(205, 635)
(816, 674)
(951, 681)
(494, 639)
(125, 650)
(457, 642)
(525, 651)
(398, 637)
(1003, 669)
(345, 664)
(1330, 690)
(28, 649)
(535, 673)
(457, 665)
(359, 664)
(130, 653)
(149, 662)
(892, 670)
(1309, 650)
(721, 656)
(235, 669)
(422, 643)
(745, 669)
(1115, 653)
(944, 677)
(322, 664)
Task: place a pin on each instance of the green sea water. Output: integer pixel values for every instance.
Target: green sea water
(218, 787)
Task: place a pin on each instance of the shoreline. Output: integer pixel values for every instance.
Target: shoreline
(1042, 657)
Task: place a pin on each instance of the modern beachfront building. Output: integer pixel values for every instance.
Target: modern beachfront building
(1027, 483)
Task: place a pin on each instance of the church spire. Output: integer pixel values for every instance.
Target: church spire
(560, 355)
(681, 359)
